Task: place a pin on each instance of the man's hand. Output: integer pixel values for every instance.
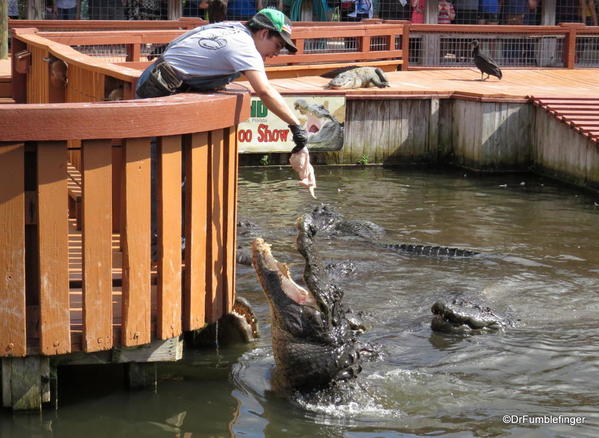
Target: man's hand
(300, 137)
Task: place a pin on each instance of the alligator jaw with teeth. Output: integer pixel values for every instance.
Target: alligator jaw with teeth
(314, 337)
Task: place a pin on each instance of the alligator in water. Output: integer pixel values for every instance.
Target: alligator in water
(460, 314)
(314, 336)
(358, 77)
(328, 221)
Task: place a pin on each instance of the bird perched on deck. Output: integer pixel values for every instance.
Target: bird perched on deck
(484, 63)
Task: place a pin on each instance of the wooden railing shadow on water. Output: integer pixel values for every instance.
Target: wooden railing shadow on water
(100, 288)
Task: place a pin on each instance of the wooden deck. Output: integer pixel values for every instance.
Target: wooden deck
(516, 84)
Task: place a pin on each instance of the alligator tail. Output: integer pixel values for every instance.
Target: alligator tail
(431, 251)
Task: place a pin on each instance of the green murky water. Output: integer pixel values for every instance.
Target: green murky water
(543, 269)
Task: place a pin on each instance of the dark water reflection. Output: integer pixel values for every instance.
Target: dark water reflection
(542, 242)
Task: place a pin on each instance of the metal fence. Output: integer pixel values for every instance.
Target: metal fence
(513, 50)
(512, 12)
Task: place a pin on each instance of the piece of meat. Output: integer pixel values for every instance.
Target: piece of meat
(300, 162)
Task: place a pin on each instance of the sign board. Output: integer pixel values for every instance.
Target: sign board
(322, 116)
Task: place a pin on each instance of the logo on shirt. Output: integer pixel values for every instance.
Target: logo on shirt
(212, 42)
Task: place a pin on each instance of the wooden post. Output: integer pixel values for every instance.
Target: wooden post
(405, 47)
(570, 43)
(133, 52)
(546, 53)
(169, 237)
(433, 128)
(142, 375)
(13, 339)
(97, 244)
(548, 13)
(431, 51)
(196, 225)
(3, 30)
(23, 382)
(52, 194)
(137, 295)
(174, 9)
(431, 15)
(36, 9)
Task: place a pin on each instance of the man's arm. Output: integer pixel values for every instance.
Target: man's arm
(270, 97)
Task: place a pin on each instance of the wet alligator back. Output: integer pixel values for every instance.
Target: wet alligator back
(431, 251)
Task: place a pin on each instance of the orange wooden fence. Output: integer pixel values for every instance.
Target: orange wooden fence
(569, 31)
(360, 42)
(65, 290)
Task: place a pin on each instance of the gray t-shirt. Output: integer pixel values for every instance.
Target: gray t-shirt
(217, 49)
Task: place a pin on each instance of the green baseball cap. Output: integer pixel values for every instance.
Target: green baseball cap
(274, 19)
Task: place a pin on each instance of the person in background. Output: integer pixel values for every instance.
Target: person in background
(515, 11)
(466, 11)
(65, 9)
(194, 8)
(106, 9)
(418, 7)
(567, 11)
(588, 12)
(273, 4)
(446, 12)
(241, 10)
(488, 12)
(13, 9)
(394, 9)
(144, 9)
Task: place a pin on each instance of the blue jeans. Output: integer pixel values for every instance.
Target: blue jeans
(67, 14)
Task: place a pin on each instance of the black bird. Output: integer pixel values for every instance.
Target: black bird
(484, 63)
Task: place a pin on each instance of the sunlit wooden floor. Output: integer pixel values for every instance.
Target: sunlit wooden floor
(515, 84)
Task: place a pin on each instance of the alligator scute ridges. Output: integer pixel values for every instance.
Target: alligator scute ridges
(438, 251)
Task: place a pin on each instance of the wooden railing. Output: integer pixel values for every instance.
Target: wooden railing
(559, 45)
(111, 284)
(317, 44)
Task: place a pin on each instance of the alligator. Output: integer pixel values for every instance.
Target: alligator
(314, 335)
(330, 222)
(466, 315)
(325, 133)
(358, 77)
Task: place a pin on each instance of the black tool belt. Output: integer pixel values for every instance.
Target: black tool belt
(162, 81)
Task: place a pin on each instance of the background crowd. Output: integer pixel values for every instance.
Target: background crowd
(450, 11)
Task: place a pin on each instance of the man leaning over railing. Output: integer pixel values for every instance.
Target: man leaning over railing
(211, 56)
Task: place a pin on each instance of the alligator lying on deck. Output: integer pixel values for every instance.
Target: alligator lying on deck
(314, 336)
(357, 77)
(459, 315)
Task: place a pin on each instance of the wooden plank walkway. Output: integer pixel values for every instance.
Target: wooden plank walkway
(516, 85)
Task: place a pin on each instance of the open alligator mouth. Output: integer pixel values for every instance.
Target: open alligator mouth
(283, 284)
(313, 339)
(313, 124)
